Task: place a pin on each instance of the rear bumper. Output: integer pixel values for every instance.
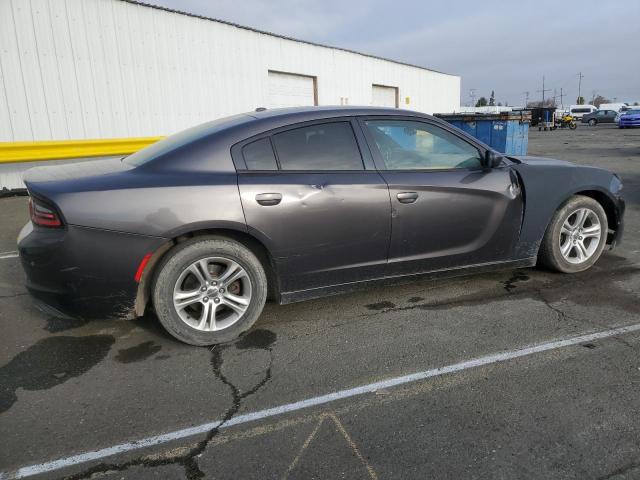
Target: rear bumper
(83, 272)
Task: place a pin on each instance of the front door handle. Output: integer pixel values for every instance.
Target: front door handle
(268, 199)
(407, 197)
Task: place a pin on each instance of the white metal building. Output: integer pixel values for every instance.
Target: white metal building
(94, 69)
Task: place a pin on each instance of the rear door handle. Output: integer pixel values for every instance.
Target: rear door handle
(407, 197)
(268, 199)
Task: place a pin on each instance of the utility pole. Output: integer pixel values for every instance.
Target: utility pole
(543, 91)
(526, 99)
(472, 94)
(561, 97)
(579, 86)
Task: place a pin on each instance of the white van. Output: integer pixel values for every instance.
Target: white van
(577, 111)
(618, 107)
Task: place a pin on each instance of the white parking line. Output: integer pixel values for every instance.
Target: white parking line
(315, 401)
(4, 255)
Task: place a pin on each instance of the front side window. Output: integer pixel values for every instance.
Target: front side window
(410, 145)
(326, 146)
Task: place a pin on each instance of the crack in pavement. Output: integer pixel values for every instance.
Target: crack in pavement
(509, 291)
(621, 471)
(189, 460)
(14, 295)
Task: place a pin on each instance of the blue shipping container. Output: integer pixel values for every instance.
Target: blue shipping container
(506, 132)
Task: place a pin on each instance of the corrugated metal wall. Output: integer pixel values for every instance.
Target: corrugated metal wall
(76, 69)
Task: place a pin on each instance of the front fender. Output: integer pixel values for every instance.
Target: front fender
(546, 188)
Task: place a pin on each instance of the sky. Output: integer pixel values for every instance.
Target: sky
(501, 45)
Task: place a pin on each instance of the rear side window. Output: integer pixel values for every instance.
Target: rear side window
(326, 146)
(259, 155)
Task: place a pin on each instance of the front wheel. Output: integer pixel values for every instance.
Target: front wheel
(573, 125)
(209, 290)
(576, 236)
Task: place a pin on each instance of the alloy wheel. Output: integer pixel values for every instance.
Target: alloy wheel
(212, 293)
(580, 235)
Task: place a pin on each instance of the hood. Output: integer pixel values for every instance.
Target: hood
(529, 160)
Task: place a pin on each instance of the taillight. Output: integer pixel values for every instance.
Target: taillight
(42, 215)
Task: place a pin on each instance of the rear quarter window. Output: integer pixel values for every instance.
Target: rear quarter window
(259, 155)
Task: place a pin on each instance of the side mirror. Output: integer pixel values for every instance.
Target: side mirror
(491, 159)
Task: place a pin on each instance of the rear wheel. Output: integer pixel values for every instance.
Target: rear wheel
(209, 290)
(593, 122)
(576, 236)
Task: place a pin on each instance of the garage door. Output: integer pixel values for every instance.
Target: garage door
(291, 90)
(383, 96)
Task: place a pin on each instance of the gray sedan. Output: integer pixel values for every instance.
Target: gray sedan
(600, 116)
(295, 204)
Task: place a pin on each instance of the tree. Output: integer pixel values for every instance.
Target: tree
(549, 102)
(599, 100)
(580, 100)
(482, 102)
(492, 98)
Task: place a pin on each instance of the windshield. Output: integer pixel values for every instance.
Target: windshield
(635, 111)
(179, 139)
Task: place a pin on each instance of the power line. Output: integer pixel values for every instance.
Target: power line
(472, 94)
(580, 76)
(543, 90)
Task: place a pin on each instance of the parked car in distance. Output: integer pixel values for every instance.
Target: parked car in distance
(630, 118)
(577, 111)
(600, 116)
(297, 204)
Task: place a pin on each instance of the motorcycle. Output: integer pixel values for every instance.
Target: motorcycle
(566, 121)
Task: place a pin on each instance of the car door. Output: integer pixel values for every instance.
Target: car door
(610, 116)
(320, 207)
(447, 211)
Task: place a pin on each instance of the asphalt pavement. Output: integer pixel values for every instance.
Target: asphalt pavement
(434, 379)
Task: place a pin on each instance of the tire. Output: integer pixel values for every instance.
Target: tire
(593, 122)
(573, 125)
(238, 303)
(556, 241)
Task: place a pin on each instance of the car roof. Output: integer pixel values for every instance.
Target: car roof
(296, 114)
(268, 119)
(251, 123)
